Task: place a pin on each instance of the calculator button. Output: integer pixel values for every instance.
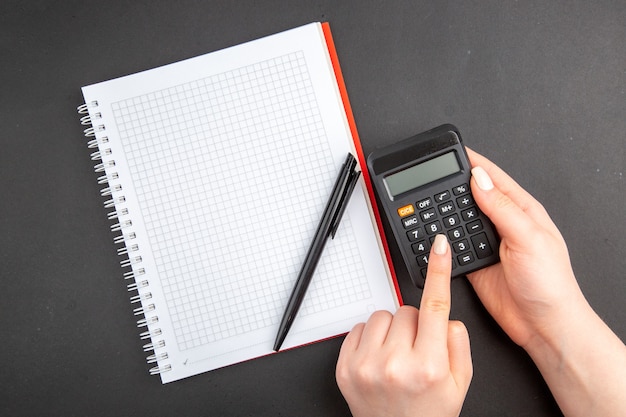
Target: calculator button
(410, 222)
(420, 248)
(425, 203)
(428, 215)
(451, 221)
(475, 226)
(432, 228)
(446, 208)
(406, 210)
(442, 196)
(422, 260)
(456, 233)
(466, 258)
(469, 214)
(481, 245)
(415, 234)
(460, 189)
(461, 246)
(464, 201)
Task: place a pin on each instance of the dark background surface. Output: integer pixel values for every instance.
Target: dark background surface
(539, 87)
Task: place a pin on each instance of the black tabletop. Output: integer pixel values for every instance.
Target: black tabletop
(539, 87)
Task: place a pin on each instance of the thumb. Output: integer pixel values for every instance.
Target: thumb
(505, 214)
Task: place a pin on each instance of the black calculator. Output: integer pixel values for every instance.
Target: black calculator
(422, 184)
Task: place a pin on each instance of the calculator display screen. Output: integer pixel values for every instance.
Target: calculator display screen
(421, 174)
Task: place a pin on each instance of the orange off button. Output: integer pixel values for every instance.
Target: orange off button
(406, 210)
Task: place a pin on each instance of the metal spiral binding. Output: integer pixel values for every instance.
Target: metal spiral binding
(95, 127)
(150, 334)
(160, 369)
(152, 346)
(139, 297)
(94, 143)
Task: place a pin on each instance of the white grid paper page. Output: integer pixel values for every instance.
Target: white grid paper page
(231, 173)
(247, 168)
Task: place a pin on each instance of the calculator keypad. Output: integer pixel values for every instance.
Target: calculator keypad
(454, 213)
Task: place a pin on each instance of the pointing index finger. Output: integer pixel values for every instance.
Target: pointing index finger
(432, 335)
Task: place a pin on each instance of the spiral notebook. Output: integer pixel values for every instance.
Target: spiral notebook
(216, 172)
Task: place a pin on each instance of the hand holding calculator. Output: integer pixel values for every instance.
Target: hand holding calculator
(423, 185)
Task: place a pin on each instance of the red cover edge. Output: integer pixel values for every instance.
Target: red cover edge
(359, 150)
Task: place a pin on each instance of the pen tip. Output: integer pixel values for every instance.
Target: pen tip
(278, 342)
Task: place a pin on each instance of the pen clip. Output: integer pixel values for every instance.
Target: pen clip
(345, 198)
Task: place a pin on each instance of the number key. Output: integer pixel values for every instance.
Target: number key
(420, 248)
(414, 234)
(422, 260)
(434, 227)
(460, 246)
(457, 233)
(451, 221)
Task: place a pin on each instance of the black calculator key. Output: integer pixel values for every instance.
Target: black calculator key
(428, 215)
(447, 208)
(465, 258)
(415, 234)
(451, 221)
(461, 246)
(442, 196)
(475, 226)
(481, 245)
(420, 248)
(460, 189)
(456, 233)
(434, 227)
(422, 260)
(424, 204)
(469, 214)
(409, 222)
(465, 201)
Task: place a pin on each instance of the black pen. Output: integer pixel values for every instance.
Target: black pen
(327, 227)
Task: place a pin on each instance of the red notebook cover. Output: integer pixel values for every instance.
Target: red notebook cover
(359, 149)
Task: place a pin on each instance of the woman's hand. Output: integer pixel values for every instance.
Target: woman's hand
(413, 363)
(533, 294)
(533, 287)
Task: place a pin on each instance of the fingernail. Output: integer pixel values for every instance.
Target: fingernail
(440, 245)
(482, 178)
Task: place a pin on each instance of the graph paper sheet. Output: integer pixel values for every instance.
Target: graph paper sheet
(225, 163)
